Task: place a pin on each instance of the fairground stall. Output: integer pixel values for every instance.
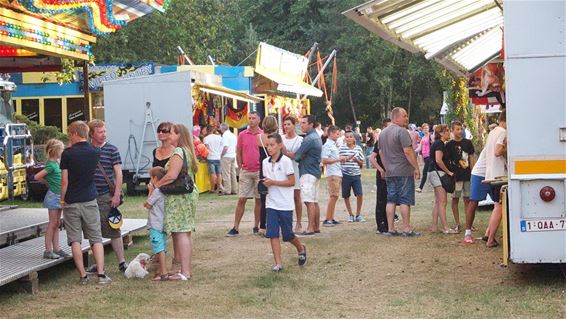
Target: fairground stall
(467, 37)
(34, 37)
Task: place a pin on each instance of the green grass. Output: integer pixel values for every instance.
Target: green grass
(352, 273)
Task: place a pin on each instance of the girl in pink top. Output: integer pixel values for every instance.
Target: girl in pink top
(424, 148)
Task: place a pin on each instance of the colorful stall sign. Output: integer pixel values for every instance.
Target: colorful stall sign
(101, 73)
(486, 86)
(67, 28)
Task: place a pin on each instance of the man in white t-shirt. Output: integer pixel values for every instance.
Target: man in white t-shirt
(496, 166)
(228, 161)
(213, 142)
(479, 190)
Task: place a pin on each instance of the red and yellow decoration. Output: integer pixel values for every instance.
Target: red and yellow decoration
(22, 31)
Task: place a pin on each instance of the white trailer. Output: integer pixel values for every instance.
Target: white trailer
(133, 108)
(535, 63)
(465, 35)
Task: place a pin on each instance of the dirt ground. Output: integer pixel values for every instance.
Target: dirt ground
(351, 273)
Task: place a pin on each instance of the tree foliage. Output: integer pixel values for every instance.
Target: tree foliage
(378, 75)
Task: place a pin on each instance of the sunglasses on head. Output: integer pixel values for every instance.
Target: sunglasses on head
(163, 130)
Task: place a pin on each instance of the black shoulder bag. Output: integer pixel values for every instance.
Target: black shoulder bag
(183, 184)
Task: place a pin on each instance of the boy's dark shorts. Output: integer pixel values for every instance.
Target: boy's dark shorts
(351, 182)
(104, 202)
(280, 219)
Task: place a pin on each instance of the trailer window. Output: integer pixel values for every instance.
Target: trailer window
(76, 110)
(30, 108)
(53, 112)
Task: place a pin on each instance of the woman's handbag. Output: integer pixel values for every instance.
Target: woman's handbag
(448, 182)
(183, 184)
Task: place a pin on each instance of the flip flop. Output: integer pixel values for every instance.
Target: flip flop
(179, 277)
(164, 277)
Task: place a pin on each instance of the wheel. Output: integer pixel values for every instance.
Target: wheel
(130, 185)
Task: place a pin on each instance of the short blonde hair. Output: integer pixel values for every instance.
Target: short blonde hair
(78, 127)
(96, 123)
(53, 148)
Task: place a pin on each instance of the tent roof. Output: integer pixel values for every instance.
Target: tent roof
(461, 35)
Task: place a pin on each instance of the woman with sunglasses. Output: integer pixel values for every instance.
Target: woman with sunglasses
(163, 153)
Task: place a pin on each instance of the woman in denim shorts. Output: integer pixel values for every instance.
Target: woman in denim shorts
(51, 175)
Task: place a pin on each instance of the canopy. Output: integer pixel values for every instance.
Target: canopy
(229, 93)
(285, 68)
(64, 28)
(461, 35)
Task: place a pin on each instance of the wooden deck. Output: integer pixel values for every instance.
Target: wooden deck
(25, 259)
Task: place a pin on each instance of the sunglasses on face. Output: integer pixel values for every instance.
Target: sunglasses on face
(163, 130)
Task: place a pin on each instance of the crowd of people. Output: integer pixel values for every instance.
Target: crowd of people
(396, 151)
(280, 172)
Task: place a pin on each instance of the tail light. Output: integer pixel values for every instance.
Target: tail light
(547, 193)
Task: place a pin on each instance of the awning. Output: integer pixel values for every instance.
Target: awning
(290, 85)
(229, 93)
(285, 68)
(461, 35)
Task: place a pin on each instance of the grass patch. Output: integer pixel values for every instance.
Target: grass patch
(351, 273)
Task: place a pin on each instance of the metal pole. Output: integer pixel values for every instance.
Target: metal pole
(86, 100)
(330, 57)
(321, 72)
(185, 55)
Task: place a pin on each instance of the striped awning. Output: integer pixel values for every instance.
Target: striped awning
(461, 35)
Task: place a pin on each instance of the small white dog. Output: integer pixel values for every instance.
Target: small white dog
(137, 267)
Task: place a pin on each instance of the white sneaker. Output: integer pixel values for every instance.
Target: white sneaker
(351, 219)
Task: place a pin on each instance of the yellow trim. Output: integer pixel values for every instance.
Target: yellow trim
(540, 167)
(64, 115)
(41, 111)
(18, 106)
(505, 228)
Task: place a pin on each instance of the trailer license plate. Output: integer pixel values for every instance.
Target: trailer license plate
(543, 225)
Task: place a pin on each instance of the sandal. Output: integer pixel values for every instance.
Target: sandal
(449, 231)
(494, 244)
(179, 276)
(164, 277)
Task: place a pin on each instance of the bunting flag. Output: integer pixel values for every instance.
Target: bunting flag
(236, 118)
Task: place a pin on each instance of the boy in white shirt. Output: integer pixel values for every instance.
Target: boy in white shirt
(331, 159)
(279, 178)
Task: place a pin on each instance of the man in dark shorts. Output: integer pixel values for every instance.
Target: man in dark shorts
(401, 170)
(78, 199)
(461, 158)
(107, 197)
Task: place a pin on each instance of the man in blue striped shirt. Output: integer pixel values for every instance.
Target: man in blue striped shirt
(108, 197)
(352, 175)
